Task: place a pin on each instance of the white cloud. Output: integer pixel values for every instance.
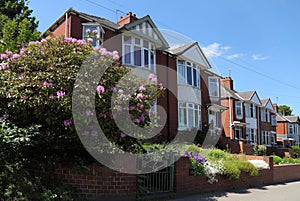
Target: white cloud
(260, 57)
(234, 56)
(215, 50)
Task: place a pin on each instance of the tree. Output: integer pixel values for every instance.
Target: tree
(285, 110)
(17, 26)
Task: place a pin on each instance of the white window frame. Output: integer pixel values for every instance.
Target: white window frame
(250, 110)
(251, 135)
(185, 111)
(239, 104)
(274, 120)
(214, 90)
(94, 26)
(151, 55)
(266, 137)
(182, 73)
(291, 129)
(240, 130)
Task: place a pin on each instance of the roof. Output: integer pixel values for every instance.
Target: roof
(104, 22)
(178, 50)
(227, 92)
(246, 95)
(292, 119)
(280, 117)
(101, 20)
(264, 101)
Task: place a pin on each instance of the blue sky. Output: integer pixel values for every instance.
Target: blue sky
(256, 42)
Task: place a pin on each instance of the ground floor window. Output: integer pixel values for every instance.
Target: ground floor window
(238, 133)
(251, 135)
(265, 137)
(189, 116)
(273, 137)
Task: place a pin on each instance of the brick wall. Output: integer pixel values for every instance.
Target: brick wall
(188, 184)
(99, 183)
(286, 173)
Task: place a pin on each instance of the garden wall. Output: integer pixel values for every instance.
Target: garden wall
(99, 183)
(189, 184)
(102, 183)
(286, 173)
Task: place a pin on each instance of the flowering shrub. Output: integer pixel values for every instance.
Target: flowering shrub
(36, 87)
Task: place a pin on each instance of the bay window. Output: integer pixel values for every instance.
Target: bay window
(250, 110)
(238, 134)
(188, 73)
(251, 135)
(189, 116)
(138, 52)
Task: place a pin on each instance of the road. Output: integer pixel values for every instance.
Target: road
(280, 192)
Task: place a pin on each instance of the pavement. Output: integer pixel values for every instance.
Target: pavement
(278, 192)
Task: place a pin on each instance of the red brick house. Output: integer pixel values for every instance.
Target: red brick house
(248, 118)
(140, 44)
(287, 129)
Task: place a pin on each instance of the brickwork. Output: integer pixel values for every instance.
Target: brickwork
(100, 183)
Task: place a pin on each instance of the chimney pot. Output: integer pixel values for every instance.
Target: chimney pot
(127, 19)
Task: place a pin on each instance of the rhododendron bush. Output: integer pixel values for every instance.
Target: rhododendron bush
(36, 89)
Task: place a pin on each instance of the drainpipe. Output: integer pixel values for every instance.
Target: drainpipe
(67, 26)
(168, 100)
(230, 118)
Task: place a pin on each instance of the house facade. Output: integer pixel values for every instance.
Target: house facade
(249, 118)
(140, 45)
(287, 129)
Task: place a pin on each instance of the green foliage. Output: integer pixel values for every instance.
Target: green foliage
(260, 150)
(296, 149)
(17, 25)
(217, 154)
(277, 159)
(231, 171)
(36, 88)
(289, 160)
(285, 110)
(246, 166)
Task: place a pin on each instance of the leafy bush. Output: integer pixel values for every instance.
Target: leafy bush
(260, 150)
(36, 88)
(296, 150)
(289, 160)
(277, 159)
(246, 166)
(231, 171)
(217, 154)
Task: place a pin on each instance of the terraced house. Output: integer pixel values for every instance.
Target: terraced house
(249, 119)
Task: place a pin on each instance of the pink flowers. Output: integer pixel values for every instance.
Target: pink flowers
(67, 122)
(47, 84)
(142, 88)
(152, 78)
(115, 55)
(95, 31)
(60, 94)
(3, 56)
(90, 40)
(139, 96)
(100, 89)
(88, 31)
(16, 56)
(25, 97)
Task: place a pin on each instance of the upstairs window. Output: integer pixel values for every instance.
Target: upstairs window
(291, 129)
(96, 31)
(274, 121)
(239, 109)
(213, 86)
(250, 110)
(188, 73)
(139, 52)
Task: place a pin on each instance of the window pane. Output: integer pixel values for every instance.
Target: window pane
(146, 57)
(194, 77)
(189, 75)
(127, 39)
(137, 41)
(198, 79)
(146, 44)
(191, 118)
(127, 55)
(152, 62)
(181, 74)
(137, 56)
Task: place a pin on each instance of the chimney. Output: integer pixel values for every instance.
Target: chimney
(275, 107)
(227, 82)
(127, 19)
